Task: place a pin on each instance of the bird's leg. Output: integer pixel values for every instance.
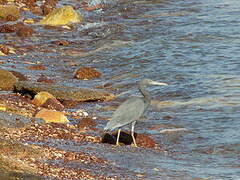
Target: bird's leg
(132, 133)
(118, 135)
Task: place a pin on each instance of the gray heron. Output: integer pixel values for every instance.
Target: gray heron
(131, 110)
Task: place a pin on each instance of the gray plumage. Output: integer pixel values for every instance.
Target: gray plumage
(131, 110)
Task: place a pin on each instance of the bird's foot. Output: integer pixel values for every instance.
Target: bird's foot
(134, 145)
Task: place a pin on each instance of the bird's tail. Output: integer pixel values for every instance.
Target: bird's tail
(108, 126)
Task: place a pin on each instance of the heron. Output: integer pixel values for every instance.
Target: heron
(131, 110)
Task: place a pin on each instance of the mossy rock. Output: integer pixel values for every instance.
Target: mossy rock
(61, 16)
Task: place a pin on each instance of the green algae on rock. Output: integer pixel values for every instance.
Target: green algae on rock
(61, 16)
(62, 92)
(7, 80)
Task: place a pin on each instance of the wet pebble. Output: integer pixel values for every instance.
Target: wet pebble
(44, 79)
(61, 42)
(20, 76)
(24, 31)
(36, 67)
(86, 73)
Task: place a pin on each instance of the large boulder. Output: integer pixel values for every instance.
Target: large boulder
(62, 93)
(7, 80)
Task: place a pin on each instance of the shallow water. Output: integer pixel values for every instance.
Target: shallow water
(193, 46)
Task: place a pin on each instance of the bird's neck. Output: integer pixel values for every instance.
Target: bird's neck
(145, 94)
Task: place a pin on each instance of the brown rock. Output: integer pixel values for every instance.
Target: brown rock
(54, 104)
(36, 10)
(52, 116)
(86, 123)
(145, 141)
(69, 103)
(7, 28)
(41, 97)
(24, 31)
(7, 80)
(44, 79)
(19, 75)
(4, 49)
(86, 73)
(10, 28)
(46, 9)
(36, 67)
(61, 42)
(126, 138)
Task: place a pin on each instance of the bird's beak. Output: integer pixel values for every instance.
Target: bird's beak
(158, 83)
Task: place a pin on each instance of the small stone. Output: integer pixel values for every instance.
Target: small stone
(86, 123)
(44, 79)
(52, 116)
(145, 141)
(24, 31)
(69, 103)
(7, 80)
(36, 67)
(86, 73)
(4, 49)
(7, 28)
(41, 97)
(61, 42)
(46, 9)
(19, 75)
(53, 103)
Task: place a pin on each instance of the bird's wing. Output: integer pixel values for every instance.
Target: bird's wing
(126, 113)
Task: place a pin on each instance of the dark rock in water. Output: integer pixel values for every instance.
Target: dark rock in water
(86, 73)
(69, 103)
(7, 80)
(19, 75)
(126, 138)
(39, 67)
(62, 92)
(44, 79)
(24, 31)
(109, 138)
